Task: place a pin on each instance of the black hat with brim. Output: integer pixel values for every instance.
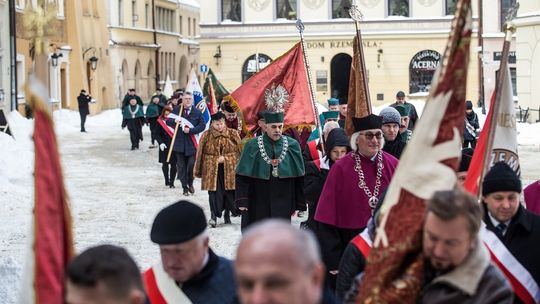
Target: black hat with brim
(178, 223)
(369, 122)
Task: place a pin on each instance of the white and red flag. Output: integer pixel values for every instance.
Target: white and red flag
(502, 138)
(51, 239)
(395, 265)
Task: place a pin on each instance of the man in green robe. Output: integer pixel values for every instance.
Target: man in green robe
(270, 175)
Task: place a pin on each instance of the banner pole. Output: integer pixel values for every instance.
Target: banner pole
(174, 135)
(300, 27)
(509, 29)
(357, 16)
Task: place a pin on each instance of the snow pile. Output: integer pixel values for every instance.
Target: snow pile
(10, 272)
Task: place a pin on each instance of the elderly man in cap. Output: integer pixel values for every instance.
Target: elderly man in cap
(270, 175)
(130, 95)
(392, 138)
(280, 264)
(516, 227)
(333, 104)
(400, 100)
(189, 271)
(352, 188)
(406, 134)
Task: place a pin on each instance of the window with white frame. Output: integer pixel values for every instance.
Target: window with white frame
(450, 7)
(340, 8)
(398, 8)
(120, 12)
(231, 10)
(286, 9)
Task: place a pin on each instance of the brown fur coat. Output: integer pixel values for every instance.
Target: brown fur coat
(208, 152)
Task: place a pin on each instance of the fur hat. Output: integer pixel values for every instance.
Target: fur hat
(468, 105)
(400, 94)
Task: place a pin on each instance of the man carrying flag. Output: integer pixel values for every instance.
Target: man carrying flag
(191, 122)
(500, 189)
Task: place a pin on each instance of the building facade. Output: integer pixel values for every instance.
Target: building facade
(403, 42)
(528, 57)
(79, 36)
(147, 53)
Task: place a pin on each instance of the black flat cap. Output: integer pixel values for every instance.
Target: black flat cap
(178, 223)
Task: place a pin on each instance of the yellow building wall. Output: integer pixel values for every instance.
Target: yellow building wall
(386, 77)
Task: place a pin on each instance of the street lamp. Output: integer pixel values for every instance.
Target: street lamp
(217, 55)
(93, 62)
(54, 59)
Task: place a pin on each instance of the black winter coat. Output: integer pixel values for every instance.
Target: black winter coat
(395, 147)
(472, 118)
(83, 101)
(522, 238)
(183, 142)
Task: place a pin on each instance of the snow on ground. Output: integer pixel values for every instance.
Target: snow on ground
(115, 193)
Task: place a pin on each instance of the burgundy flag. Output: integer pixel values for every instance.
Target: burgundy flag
(395, 264)
(52, 242)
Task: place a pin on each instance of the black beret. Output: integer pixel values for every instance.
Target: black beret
(178, 223)
(501, 178)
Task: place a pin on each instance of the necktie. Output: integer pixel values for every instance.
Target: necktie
(499, 229)
(185, 113)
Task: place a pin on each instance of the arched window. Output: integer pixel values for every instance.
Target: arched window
(421, 70)
(251, 67)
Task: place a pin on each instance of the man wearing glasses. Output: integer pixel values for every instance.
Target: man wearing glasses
(352, 190)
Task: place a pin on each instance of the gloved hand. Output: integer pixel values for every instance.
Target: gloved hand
(162, 147)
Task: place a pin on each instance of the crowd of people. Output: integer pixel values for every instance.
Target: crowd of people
(268, 174)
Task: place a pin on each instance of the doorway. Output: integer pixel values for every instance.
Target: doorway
(340, 69)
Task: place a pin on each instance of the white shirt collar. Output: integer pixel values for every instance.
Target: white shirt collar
(495, 222)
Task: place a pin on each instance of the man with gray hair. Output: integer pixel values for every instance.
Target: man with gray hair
(189, 271)
(278, 263)
(351, 190)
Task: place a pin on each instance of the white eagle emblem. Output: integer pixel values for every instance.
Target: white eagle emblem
(276, 98)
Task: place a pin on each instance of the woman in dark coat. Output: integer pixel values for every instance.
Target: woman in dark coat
(164, 141)
(337, 146)
(133, 118)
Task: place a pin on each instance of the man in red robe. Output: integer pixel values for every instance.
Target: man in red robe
(351, 191)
